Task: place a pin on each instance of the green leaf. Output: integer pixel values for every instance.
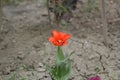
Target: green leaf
(24, 79)
(62, 68)
(27, 68)
(64, 9)
(67, 57)
(13, 77)
(49, 68)
(60, 9)
(67, 71)
(97, 70)
(62, 71)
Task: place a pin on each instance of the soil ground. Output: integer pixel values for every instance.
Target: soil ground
(24, 45)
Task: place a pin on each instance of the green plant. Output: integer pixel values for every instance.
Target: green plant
(62, 9)
(97, 70)
(26, 68)
(62, 68)
(12, 77)
(24, 78)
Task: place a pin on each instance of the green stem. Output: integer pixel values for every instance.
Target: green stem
(59, 57)
(60, 54)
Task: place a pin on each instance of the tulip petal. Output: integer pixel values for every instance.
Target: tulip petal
(59, 38)
(65, 43)
(62, 34)
(51, 39)
(56, 34)
(66, 37)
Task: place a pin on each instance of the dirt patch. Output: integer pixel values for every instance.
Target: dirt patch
(24, 46)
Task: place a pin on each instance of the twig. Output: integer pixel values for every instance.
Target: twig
(0, 15)
(104, 21)
(49, 16)
(114, 20)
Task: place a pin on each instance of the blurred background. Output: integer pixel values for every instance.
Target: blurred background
(26, 25)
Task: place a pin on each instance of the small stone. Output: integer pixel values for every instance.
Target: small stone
(4, 46)
(47, 79)
(40, 65)
(93, 56)
(14, 41)
(40, 69)
(21, 56)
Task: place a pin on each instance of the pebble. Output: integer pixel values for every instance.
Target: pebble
(40, 69)
(21, 56)
(40, 65)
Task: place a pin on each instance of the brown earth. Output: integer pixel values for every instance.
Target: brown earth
(24, 45)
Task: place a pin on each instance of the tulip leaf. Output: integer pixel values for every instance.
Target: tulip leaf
(62, 68)
(25, 78)
(48, 68)
(67, 57)
(62, 71)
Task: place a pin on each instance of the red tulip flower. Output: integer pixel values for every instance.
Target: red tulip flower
(59, 38)
(94, 78)
(62, 69)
